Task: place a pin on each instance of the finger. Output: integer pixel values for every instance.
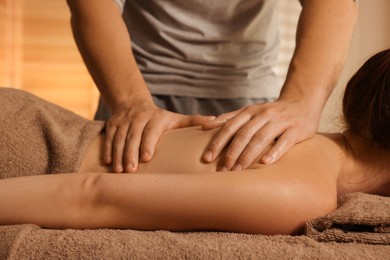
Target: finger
(220, 120)
(152, 133)
(110, 133)
(260, 143)
(240, 141)
(199, 119)
(190, 120)
(223, 137)
(132, 146)
(287, 140)
(118, 146)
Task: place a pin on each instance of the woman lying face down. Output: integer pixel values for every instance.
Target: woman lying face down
(177, 191)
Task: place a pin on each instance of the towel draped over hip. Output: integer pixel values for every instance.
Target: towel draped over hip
(38, 137)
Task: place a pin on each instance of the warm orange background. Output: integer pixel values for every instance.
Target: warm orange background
(38, 54)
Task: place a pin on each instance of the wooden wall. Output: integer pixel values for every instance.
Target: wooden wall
(38, 54)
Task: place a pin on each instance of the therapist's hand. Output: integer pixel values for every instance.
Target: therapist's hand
(261, 131)
(132, 134)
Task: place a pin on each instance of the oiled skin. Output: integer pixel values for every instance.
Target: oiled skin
(177, 191)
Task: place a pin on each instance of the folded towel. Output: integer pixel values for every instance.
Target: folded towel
(360, 218)
(38, 137)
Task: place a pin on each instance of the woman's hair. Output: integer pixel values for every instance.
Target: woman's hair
(366, 103)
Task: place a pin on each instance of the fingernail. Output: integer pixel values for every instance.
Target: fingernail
(146, 156)
(237, 167)
(268, 159)
(223, 169)
(208, 156)
(118, 168)
(130, 167)
(107, 159)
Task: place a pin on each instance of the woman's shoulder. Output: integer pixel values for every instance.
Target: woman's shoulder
(324, 141)
(321, 153)
(321, 147)
(331, 144)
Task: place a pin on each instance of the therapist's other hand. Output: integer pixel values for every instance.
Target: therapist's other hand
(261, 131)
(132, 134)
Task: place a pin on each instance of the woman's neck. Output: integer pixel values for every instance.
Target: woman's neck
(366, 168)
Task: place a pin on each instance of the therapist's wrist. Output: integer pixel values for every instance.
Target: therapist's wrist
(132, 102)
(310, 105)
(129, 93)
(305, 91)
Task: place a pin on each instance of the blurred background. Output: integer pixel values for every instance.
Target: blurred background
(38, 53)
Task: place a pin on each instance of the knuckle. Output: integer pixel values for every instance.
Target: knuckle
(268, 111)
(111, 125)
(148, 139)
(215, 143)
(262, 137)
(247, 157)
(131, 156)
(285, 140)
(109, 136)
(230, 158)
(294, 124)
(221, 117)
(131, 135)
(149, 128)
(139, 115)
(116, 158)
(251, 109)
(243, 135)
(151, 133)
(147, 149)
(228, 127)
(119, 137)
(160, 114)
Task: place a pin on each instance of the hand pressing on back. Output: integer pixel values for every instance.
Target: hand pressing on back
(261, 131)
(133, 132)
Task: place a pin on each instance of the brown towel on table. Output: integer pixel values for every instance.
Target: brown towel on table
(360, 218)
(38, 137)
(32, 242)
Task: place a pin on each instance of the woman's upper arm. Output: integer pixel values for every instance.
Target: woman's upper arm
(246, 201)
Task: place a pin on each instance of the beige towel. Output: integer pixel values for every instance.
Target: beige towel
(360, 218)
(32, 242)
(38, 137)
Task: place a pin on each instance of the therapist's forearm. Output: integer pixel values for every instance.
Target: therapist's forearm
(105, 46)
(323, 37)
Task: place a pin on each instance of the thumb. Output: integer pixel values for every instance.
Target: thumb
(219, 120)
(199, 119)
(189, 120)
